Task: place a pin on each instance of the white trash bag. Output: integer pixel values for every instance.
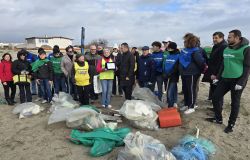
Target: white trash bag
(147, 95)
(64, 100)
(84, 118)
(139, 114)
(143, 147)
(26, 109)
(59, 115)
(97, 84)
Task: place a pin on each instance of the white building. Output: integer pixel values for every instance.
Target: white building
(36, 42)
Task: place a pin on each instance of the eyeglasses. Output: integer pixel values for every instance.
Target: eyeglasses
(92, 49)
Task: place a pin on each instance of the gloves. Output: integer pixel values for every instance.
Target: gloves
(238, 87)
(215, 81)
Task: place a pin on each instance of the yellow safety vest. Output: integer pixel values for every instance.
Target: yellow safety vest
(82, 74)
(109, 74)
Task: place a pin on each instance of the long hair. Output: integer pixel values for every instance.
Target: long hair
(5, 54)
(190, 40)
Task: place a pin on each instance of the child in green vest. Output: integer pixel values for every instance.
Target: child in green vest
(59, 79)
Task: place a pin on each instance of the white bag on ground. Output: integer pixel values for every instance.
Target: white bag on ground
(59, 115)
(84, 118)
(26, 109)
(140, 114)
(143, 147)
(97, 84)
(147, 95)
(64, 100)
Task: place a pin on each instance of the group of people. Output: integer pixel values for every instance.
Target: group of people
(226, 69)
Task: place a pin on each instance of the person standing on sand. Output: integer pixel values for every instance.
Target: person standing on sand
(6, 77)
(43, 73)
(106, 77)
(80, 77)
(157, 56)
(21, 69)
(191, 64)
(92, 57)
(67, 64)
(233, 77)
(215, 61)
(165, 54)
(146, 70)
(116, 56)
(171, 71)
(127, 74)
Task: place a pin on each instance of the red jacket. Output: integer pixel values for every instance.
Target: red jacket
(5, 71)
(99, 68)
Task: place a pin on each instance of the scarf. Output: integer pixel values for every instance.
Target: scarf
(38, 63)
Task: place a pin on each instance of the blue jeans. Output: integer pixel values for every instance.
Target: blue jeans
(46, 89)
(33, 87)
(59, 82)
(172, 94)
(107, 85)
(159, 81)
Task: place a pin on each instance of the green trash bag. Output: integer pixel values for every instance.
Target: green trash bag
(102, 140)
(91, 107)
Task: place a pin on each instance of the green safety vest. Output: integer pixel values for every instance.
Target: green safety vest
(233, 62)
(109, 74)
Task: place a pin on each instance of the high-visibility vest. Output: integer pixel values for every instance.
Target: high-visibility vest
(82, 74)
(109, 74)
(233, 62)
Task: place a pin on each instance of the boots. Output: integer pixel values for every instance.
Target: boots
(13, 101)
(8, 100)
(229, 128)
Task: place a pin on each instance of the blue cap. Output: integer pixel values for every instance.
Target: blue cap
(145, 48)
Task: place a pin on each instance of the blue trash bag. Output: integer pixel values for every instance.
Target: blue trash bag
(191, 148)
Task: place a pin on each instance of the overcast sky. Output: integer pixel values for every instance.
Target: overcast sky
(138, 22)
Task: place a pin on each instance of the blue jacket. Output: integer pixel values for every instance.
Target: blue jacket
(158, 61)
(146, 69)
(191, 61)
(31, 57)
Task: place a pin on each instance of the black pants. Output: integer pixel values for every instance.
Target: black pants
(116, 78)
(71, 87)
(189, 89)
(211, 91)
(127, 89)
(222, 88)
(83, 94)
(10, 86)
(25, 93)
(92, 93)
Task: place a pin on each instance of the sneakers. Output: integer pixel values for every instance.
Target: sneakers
(44, 101)
(103, 106)
(38, 99)
(183, 108)
(175, 105)
(189, 111)
(109, 106)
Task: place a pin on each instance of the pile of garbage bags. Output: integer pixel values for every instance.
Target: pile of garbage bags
(102, 140)
(140, 114)
(84, 118)
(26, 109)
(139, 146)
(191, 147)
(64, 100)
(146, 95)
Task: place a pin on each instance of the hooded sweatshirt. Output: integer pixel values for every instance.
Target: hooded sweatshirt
(242, 80)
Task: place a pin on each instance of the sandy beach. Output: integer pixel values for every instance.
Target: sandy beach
(33, 139)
